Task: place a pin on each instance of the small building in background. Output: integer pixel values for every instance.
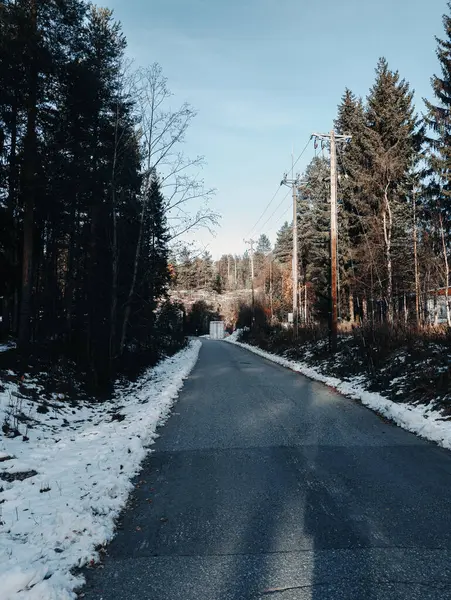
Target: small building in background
(217, 330)
(436, 306)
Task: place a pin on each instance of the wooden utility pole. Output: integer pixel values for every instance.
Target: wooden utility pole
(333, 243)
(295, 258)
(333, 139)
(295, 185)
(270, 288)
(251, 244)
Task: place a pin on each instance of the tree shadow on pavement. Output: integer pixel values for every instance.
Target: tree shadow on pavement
(270, 501)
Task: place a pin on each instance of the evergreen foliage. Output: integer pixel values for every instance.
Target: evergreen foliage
(84, 234)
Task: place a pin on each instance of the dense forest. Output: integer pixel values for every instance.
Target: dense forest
(93, 190)
(394, 215)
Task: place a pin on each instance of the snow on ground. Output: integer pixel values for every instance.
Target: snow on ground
(52, 521)
(419, 419)
(7, 346)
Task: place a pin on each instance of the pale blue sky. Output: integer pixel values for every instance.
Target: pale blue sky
(265, 74)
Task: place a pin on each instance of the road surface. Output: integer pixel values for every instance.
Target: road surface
(266, 485)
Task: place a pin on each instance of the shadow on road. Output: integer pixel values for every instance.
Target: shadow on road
(267, 486)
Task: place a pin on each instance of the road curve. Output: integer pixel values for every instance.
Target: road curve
(266, 485)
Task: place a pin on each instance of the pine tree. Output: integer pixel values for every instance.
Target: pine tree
(263, 244)
(206, 274)
(261, 253)
(439, 123)
(314, 231)
(41, 40)
(153, 270)
(218, 285)
(393, 127)
(438, 116)
(283, 248)
(186, 271)
(83, 231)
(352, 208)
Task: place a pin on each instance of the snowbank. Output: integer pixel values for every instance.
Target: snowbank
(7, 346)
(53, 520)
(422, 420)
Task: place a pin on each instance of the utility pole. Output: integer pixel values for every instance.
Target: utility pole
(334, 139)
(295, 184)
(270, 288)
(333, 242)
(251, 244)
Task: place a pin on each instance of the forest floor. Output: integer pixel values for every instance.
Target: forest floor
(66, 469)
(409, 384)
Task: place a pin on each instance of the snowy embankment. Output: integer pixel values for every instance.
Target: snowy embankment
(422, 420)
(64, 486)
(7, 346)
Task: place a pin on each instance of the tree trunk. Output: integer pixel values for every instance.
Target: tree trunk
(69, 286)
(92, 301)
(388, 226)
(6, 321)
(415, 258)
(114, 251)
(364, 309)
(131, 292)
(351, 307)
(12, 208)
(29, 172)
(446, 264)
(114, 274)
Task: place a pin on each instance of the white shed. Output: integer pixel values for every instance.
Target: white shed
(217, 330)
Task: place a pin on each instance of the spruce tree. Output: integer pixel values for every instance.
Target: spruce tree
(438, 117)
(207, 270)
(315, 240)
(263, 244)
(393, 129)
(153, 270)
(186, 278)
(262, 250)
(438, 121)
(283, 248)
(353, 210)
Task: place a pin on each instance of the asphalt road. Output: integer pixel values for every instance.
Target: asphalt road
(265, 485)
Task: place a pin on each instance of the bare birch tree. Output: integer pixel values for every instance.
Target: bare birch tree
(162, 131)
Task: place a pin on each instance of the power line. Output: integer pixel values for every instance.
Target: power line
(302, 153)
(276, 209)
(277, 191)
(282, 217)
(266, 208)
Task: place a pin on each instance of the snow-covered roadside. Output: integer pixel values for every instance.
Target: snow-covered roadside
(53, 520)
(422, 420)
(7, 346)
